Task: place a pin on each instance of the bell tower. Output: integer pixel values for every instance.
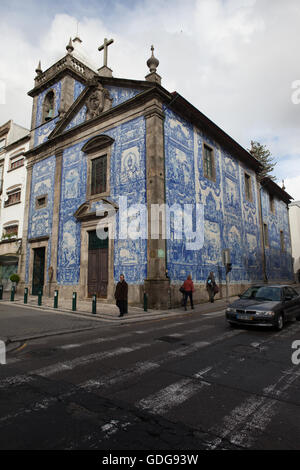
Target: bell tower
(56, 89)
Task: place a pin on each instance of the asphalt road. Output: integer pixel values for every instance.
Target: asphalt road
(187, 383)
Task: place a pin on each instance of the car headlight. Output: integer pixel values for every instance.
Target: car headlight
(229, 310)
(268, 314)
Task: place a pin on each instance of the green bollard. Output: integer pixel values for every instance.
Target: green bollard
(12, 294)
(94, 305)
(25, 295)
(145, 302)
(1, 292)
(55, 299)
(74, 301)
(40, 294)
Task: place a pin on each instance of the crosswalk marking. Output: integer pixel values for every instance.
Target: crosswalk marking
(246, 422)
(84, 360)
(173, 395)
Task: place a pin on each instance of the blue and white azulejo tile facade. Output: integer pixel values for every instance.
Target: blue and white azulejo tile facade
(230, 220)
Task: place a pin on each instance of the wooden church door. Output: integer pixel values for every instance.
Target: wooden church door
(97, 266)
(38, 270)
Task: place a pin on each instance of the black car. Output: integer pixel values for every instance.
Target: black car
(265, 305)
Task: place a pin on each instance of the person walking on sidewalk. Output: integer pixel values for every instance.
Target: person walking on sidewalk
(211, 286)
(121, 295)
(188, 287)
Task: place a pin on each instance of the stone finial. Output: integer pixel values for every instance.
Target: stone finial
(283, 185)
(38, 70)
(70, 47)
(153, 62)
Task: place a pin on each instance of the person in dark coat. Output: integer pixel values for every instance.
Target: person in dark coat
(210, 286)
(188, 287)
(121, 295)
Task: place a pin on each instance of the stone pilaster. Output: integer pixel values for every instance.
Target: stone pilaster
(261, 223)
(156, 284)
(22, 261)
(67, 95)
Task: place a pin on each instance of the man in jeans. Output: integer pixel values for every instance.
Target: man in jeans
(121, 295)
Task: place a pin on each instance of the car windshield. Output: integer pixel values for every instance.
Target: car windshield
(262, 293)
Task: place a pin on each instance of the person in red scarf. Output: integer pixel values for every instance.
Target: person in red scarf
(188, 286)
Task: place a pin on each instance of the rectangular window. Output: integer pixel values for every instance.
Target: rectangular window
(16, 163)
(11, 230)
(266, 235)
(98, 177)
(282, 245)
(208, 162)
(248, 188)
(13, 198)
(41, 201)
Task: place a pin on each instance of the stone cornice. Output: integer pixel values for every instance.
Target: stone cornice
(154, 110)
(38, 239)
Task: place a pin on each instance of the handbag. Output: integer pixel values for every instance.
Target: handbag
(182, 290)
(216, 289)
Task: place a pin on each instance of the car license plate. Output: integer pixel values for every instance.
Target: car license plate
(244, 317)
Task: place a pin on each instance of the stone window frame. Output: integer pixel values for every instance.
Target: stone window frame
(97, 147)
(92, 160)
(213, 161)
(248, 183)
(42, 196)
(272, 203)
(282, 241)
(12, 191)
(11, 224)
(266, 235)
(14, 159)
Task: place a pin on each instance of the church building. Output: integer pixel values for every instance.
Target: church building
(97, 140)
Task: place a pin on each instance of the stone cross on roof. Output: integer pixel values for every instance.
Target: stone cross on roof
(104, 47)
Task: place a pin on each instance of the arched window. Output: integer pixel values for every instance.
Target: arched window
(48, 107)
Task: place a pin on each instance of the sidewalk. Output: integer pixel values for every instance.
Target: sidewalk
(109, 312)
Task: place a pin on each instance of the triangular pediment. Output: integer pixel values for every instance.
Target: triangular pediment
(98, 97)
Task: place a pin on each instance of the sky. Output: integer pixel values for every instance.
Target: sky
(237, 61)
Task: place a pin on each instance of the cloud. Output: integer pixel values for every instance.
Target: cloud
(292, 186)
(235, 60)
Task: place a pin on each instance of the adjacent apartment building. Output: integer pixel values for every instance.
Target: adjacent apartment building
(14, 142)
(294, 214)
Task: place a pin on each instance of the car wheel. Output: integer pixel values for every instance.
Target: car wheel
(279, 322)
(233, 325)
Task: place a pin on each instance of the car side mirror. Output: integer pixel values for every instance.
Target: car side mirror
(239, 295)
(287, 298)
